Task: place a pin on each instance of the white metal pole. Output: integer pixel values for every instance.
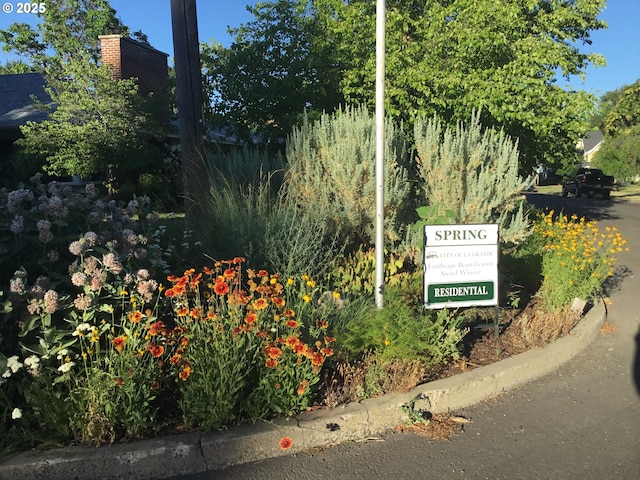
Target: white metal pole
(380, 53)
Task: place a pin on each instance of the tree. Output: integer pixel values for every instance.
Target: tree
(449, 57)
(625, 113)
(68, 28)
(99, 124)
(620, 152)
(606, 102)
(278, 67)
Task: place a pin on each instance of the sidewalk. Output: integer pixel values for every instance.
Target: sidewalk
(195, 452)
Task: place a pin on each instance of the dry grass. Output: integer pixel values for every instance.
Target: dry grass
(372, 376)
(539, 328)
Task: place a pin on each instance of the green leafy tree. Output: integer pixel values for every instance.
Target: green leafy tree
(619, 154)
(605, 105)
(17, 66)
(626, 112)
(448, 57)
(99, 124)
(277, 67)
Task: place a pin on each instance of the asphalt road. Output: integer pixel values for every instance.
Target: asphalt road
(580, 422)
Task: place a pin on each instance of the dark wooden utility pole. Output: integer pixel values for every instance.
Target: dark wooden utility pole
(189, 95)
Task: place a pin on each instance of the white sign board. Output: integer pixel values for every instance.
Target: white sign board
(460, 265)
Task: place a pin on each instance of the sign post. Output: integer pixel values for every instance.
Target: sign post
(460, 265)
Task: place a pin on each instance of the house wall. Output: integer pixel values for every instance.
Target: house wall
(132, 59)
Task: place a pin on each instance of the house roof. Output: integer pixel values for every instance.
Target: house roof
(591, 140)
(16, 102)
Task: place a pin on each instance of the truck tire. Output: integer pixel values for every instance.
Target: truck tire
(578, 192)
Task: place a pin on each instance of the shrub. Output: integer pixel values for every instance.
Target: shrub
(269, 228)
(245, 351)
(403, 330)
(331, 173)
(472, 173)
(577, 257)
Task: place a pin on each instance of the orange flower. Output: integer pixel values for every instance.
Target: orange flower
(238, 260)
(302, 387)
(291, 324)
(195, 312)
(221, 288)
(208, 271)
(118, 343)
(251, 318)
(263, 273)
(273, 352)
(119, 381)
(278, 301)
(286, 443)
(135, 317)
(182, 312)
(169, 293)
(156, 328)
(327, 352)
(317, 359)
(271, 363)
(329, 339)
(299, 348)
(260, 304)
(229, 273)
(288, 313)
(156, 350)
(291, 341)
(186, 371)
(322, 324)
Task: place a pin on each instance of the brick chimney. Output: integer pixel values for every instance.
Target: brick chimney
(130, 58)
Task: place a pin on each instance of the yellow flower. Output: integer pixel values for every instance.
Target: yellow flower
(306, 298)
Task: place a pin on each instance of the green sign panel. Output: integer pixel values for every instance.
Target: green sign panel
(459, 292)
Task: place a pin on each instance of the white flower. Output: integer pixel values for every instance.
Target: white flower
(33, 365)
(83, 327)
(62, 353)
(32, 360)
(7, 373)
(14, 364)
(16, 414)
(65, 367)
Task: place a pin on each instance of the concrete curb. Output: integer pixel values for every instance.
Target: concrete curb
(195, 453)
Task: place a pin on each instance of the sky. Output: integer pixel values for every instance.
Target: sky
(619, 43)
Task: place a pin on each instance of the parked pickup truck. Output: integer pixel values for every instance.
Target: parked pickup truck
(588, 181)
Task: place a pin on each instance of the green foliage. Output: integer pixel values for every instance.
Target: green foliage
(626, 112)
(331, 172)
(255, 219)
(246, 349)
(473, 173)
(620, 155)
(69, 28)
(355, 273)
(98, 124)
(448, 58)
(275, 70)
(404, 330)
(576, 258)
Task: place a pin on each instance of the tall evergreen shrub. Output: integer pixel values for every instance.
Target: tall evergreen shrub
(331, 171)
(473, 173)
